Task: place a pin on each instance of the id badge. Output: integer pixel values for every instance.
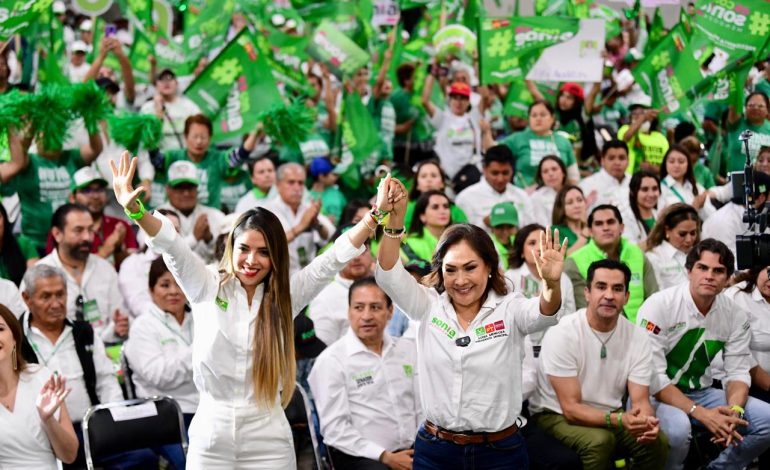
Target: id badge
(91, 312)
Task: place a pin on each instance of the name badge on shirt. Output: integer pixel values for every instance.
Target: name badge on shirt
(363, 379)
(491, 331)
(91, 312)
(221, 303)
(409, 370)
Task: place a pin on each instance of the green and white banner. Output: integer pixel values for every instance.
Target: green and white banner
(455, 39)
(91, 7)
(235, 88)
(206, 28)
(17, 15)
(331, 47)
(728, 29)
(508, 48)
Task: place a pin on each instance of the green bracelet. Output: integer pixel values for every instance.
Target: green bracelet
(136, 215)
(620, 419)
(608, 420)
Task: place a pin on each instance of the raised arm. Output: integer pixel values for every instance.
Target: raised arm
(19, 158)
(426, 92)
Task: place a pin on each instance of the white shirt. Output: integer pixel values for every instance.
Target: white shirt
(477, 201)
(725, 225)
(670, 314)
(573, 349)
(367, 403)
(250, 201)
(453, 378)
(223, 338)
(159, 351)
(23, 442)
(608, 189)
(525, 284)
(133, 281)
(758, 310)
(633, 229)
(458, 139)
(187, 227)
(329, 311)
(77, 73)
(672, 192)
(11, 297)
(99, 288)
(543, 201)
(178, 110)
(668, 264)
(302, 249)
(63, 357)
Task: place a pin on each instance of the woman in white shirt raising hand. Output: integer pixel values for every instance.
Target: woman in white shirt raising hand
(471, 340)
(243, 348)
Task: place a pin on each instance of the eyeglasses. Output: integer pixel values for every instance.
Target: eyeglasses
(79, 308)
(463, 341)
(755, 106)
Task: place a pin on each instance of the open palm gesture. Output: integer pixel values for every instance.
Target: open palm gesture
(549, 256)
(51, 396)
(122, 178)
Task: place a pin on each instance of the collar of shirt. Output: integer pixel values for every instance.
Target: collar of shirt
(354, 345)
(87, 272)
(183, 331)
(490, 304)
(756, 296)
(608, 177)
(667, 250)
(44, 349)
(670, 182)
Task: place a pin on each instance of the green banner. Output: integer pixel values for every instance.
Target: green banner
(359, 137)
(53, 56)
(235, 88)
(727, 85)
(730, 28)
(169, 54)
(17, 15)
(207, 26)
(331, 47)
(509, 47)
(456, 40)
(139, 55)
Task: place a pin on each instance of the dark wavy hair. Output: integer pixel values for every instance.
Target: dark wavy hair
(10, 251)
(516, 255)
(421, 206)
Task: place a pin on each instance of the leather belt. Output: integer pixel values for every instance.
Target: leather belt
(465, 438)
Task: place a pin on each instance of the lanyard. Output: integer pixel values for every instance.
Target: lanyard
(34, 345)
(673, 190)
(163, 320)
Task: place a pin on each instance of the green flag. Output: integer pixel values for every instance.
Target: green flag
(509, 47)
(207, 25)
(331, 47)
(732, 31)
(139, 55)
(358, 137)
(16, 15)
(727, 85)
(235, 88)
(53, 56)
(169, 54)
(551, 7)
(139, 11)
(657, 31)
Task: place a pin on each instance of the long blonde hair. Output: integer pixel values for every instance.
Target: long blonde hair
(274, 362)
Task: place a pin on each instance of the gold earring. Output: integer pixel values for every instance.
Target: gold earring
(13, 359)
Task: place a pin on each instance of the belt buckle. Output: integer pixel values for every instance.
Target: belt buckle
(461, 439)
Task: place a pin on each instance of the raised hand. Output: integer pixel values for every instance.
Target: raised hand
(51, 396)
(391, 196)
(122, 178)
(549, 256)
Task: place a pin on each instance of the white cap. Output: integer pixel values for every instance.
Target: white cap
(59, 7)
(182, 172)
(85, 176)
(86, 25)
(79, 46)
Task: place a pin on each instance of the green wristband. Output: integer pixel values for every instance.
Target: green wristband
(620, 419)
(608, 420)
(136, 215)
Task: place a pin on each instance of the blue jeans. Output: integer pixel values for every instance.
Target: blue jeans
(432, 453)
(174, 453)
(678, 427)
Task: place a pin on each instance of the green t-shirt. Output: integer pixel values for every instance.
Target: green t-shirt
(648, 148)
(234, 187)
(405, 110)
(736, 157)
(611, 115)
(703, 175)
(567, 232)
(529, 148)
(333, 202)
(314, 146)
(421, 247)
(649, 223)
(42, 187)
(763, 86)
(212, 170)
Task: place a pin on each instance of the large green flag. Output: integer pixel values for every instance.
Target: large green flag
(17, 15)
(53, 57)
(657, 31)
(331, 47)
(139, 55)
(552, 7)
(235, 88)
(732, 30)
(727, 85)
(169, 54)
(358, 137)
(508, 48)
(669, 72)
(207, 26)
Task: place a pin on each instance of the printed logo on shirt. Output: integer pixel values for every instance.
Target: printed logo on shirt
(221, 303)
(409, 370)
(490, 331)
(444, 327)
(677, 327)
(363, 379)
(650, 326)
(635, 278)
(746, 325)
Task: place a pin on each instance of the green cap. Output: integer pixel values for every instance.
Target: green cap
(504, 213)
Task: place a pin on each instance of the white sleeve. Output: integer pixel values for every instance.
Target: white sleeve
(737, 356)
(557, 356)
(150, 361)
(641, 369)
(107, 388)
(567, 297)
(330, 229)
(412, 297)
(653, 312)
(197, 282)
(327, 382)
(311, 280)
(144, 167)
(527, 316)
(133, 285)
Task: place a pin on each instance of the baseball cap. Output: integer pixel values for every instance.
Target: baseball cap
(79, 46)
(182, 172)
(460, 88)
(320, 166)
(108, 85)
(306, 342)
(573, 89)
(641, 102)
(86, 25)
(165, 73)
(504, 213)
(85, 176)
(59, 7)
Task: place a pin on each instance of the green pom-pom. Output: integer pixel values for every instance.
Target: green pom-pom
(133, 131)
(50, 113)
(289, 124)
(91, 103)
(13, 107)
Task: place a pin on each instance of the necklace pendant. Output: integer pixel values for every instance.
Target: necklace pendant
(603, 353)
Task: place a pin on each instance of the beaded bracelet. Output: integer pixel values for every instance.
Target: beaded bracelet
(394, 233)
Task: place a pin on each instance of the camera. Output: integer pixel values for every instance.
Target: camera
(752, 248)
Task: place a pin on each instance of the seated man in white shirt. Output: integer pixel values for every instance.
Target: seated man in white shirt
(477, 200)
(197, 222)
(587, 362)
(305, 226)
(610, 184)
(690, 325)
(71, 349)
(365, 387)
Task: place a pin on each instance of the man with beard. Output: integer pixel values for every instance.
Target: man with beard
(92, 283)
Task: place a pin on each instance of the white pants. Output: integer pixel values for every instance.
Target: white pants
(226, 437)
